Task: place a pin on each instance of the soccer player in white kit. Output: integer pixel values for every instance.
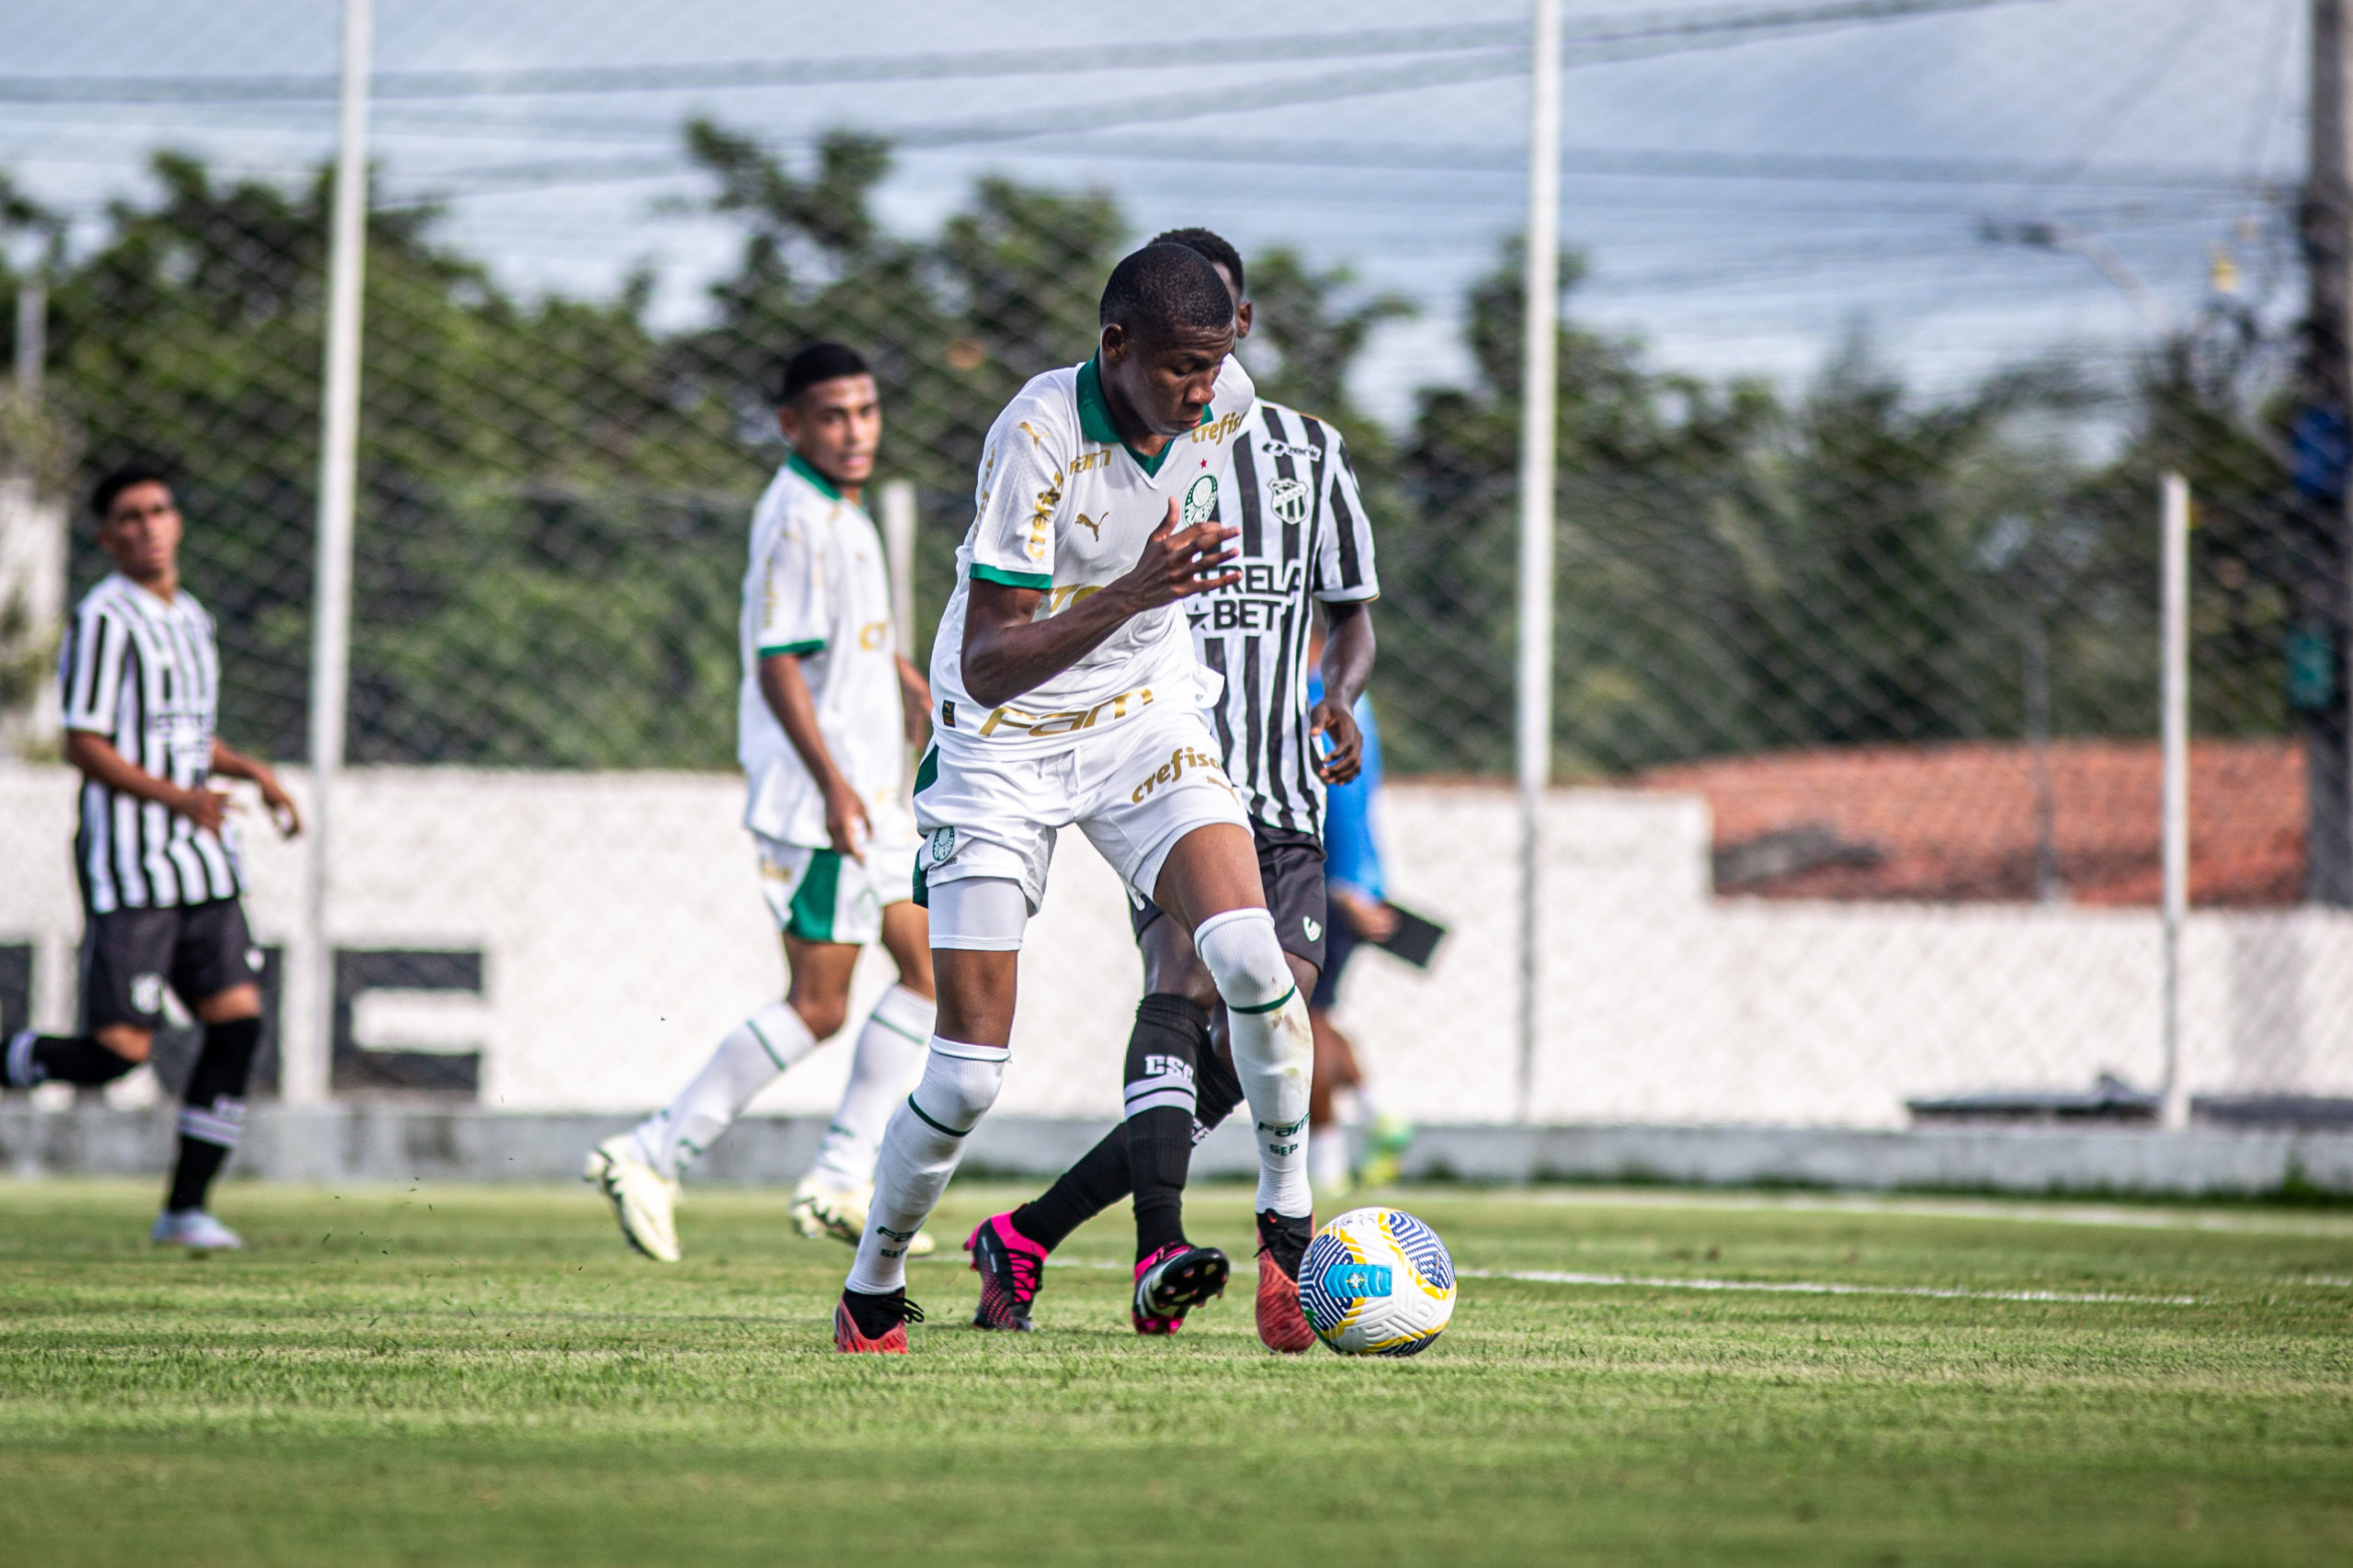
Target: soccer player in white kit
(827, 709)
(1068, 695)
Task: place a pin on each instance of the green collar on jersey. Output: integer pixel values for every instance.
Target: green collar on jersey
(808, 471)
(1094, 419)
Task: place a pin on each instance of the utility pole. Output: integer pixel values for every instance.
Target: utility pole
(2322, 439)
(1532, 725)
(2172, 726)
(306, 1075)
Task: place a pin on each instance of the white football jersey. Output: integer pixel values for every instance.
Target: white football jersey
(1064, 506)
(817, 587)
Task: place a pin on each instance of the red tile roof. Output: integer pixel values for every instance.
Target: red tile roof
(1955, 824)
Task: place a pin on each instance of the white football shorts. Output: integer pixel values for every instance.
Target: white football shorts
(1134, 792)
(821, 895)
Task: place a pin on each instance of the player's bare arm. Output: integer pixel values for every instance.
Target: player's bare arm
(1348, 665)
(230, 763)
(785, 690)
(914, 700)
(96, 758)
(1007, 652)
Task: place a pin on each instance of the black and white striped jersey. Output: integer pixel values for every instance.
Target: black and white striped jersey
(1305, 535)
(145, 674)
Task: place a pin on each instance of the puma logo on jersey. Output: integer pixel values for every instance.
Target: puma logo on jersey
(1091, 526)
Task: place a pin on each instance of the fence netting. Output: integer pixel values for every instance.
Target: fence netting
(1882, 322)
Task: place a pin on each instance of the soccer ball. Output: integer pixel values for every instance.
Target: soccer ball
(1377, 1282)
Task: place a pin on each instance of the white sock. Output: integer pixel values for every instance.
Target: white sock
(920, 1148)
(888, 1060)
(754, 1055)
(1274, 1048)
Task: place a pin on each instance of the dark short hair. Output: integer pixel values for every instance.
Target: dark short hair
(1163, 288)
(1213, 249)
(819, 362)
(117, 480)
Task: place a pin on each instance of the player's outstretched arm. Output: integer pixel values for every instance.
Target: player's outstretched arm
(1007, 652)
(1348, 665)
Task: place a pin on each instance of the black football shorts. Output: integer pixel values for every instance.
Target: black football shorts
(128, 956)
(1290, 865)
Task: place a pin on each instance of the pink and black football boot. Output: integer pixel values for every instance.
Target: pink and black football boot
(1011, 1267)
(1173, 1282)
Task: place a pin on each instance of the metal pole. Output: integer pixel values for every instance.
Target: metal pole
(305, 1074)
(899, 550)
(2175, 726)
(1532, 739)
(33, 337)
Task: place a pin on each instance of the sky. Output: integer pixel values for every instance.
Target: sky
(1746, 195)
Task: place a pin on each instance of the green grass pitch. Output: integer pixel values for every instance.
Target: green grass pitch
(484, 1376)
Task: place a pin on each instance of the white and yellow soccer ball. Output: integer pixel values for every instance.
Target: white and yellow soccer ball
(1377, 1282)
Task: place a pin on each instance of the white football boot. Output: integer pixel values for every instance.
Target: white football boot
(193, 1228)
(840, 1213)
(643, 1202)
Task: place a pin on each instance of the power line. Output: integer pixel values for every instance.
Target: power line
(1597, 32)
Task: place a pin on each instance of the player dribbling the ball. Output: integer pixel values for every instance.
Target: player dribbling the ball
(1068, 696)
(1306, 541)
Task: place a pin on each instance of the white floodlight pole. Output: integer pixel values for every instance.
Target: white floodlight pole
(1532, 727)
(2175, 515)
(898, 552)
(305, 1074)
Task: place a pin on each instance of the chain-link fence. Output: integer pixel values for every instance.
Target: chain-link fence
(1883, 320)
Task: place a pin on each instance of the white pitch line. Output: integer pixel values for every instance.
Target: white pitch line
(1785, 1287)
(2037, 1211)
(1813, 1287)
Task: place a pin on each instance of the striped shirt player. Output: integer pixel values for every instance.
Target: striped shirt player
(157, 860)
(145, 673)
(1305, 540)
(822, 731)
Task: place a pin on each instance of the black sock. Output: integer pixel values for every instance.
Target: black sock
(1220, 1091)
(192, 1173)
(1285, 1237)
(213, 1112)
(1172, 1033)
(1099, 1181)
(61, 1059)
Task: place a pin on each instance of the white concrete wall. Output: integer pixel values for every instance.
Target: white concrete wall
(623, 933)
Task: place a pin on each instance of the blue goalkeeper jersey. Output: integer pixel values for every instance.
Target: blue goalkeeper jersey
(1352, 852)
